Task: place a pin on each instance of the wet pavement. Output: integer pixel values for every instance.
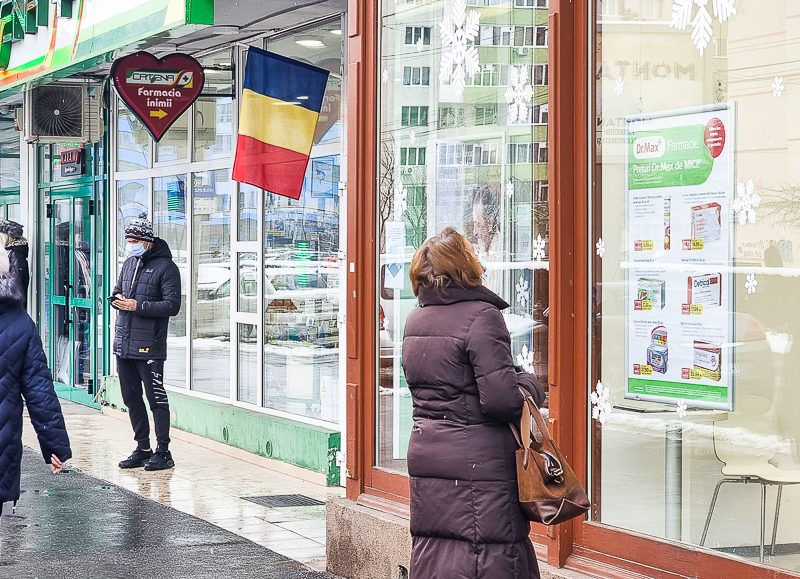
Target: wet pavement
(73, 525)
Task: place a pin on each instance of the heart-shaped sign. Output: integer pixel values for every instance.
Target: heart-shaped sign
(158, 90)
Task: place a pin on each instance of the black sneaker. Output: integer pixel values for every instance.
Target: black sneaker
(161, 460)
(137, 459)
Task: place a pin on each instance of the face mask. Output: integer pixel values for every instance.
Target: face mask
(136, 249)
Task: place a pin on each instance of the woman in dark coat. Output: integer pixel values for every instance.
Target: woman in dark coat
(18, 245)
(466, 521)
(24, 375)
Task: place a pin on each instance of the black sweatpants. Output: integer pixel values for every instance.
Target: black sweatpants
(133, 374)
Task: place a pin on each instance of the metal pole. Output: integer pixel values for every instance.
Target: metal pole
(777, 515)
(673, 480)
(763, 521)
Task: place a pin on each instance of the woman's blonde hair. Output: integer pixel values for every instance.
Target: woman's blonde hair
(445, 259)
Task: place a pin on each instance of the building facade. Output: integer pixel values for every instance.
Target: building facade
(255, 358)
(623, 166)
(636, 160)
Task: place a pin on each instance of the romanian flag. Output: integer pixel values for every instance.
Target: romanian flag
(280, 108)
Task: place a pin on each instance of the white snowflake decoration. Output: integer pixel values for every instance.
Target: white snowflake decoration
(523, 289)
(400, 201)
(538, 248)
(619, 87)
(681, 409)
(509, 188)
(412, 137)
(518, 94)
(778, 86)
(525, 359)
(419, 44)
(600, 247)
(701, 23)
(385, 75)
(459, 58)
(751, 284)
(746, 202)
(601, 403)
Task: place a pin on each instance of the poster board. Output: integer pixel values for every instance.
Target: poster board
(680, 187)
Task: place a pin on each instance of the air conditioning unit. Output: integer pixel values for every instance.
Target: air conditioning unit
(64, 113)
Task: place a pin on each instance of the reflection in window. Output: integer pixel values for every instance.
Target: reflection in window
(489, 184)
(132, 202)
(169, 223)
(211, 260)
(133, 141)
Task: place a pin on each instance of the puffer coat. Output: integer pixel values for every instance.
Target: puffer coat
(466, 522)
(24, 375)
(154, 281)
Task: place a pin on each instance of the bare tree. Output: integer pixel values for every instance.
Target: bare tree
(386, 184)
(781, 205)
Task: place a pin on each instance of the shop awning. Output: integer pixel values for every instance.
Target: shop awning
(71, 36)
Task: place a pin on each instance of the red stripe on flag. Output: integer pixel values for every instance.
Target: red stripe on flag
(275, 169)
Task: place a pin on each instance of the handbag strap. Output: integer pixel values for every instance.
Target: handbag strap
(524, 434)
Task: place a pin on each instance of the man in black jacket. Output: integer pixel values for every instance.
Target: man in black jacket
(147, 294)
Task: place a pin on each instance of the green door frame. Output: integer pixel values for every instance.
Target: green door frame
(77, 301)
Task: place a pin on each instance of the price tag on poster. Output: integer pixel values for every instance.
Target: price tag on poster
(158, 90)
(680, 185)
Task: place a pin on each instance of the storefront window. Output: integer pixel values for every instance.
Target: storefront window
(133, 141)
(211, 319)
(462, 144)
(169, 222)
(214, 110)
(301, 247)
(695, 212)
(174, 145)
(132, 202)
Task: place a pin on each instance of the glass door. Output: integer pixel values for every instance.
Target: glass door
(69, 275)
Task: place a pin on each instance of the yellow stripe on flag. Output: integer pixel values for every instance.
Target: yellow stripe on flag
(277, 123)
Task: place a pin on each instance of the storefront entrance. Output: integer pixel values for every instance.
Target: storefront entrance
(71, 302)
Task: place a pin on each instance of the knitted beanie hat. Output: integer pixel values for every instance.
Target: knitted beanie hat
(140, 229)
(10, 228)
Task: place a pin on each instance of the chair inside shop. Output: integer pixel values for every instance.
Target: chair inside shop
(746, 443)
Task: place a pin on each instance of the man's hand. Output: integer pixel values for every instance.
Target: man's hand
(125, 304)
(55, 464)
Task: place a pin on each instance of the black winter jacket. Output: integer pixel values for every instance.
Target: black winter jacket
(24, 374)
(154, 281)
(466, 521)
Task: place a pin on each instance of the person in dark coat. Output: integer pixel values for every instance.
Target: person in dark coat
(147, 294)
(466, 521)
(19, 246)
(24, 376)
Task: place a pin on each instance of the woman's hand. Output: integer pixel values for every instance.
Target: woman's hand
(55, 464)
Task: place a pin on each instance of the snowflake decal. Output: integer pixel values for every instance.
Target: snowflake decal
(600, 247)
(525, 359)
(538, 248)
(400, 201)
(412, 137)
(459, 57)
(418, 44)
(778, 86)
(509, 188)
(522, 288)
(518, 94)
(619, 87)
(680, 409)
(751, 284)
(601, 403)
(702, 32)
(385, 75)
(746, 202)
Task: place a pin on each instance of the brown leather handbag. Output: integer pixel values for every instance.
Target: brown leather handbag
(549, 492)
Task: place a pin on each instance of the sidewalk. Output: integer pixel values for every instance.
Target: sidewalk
(75, 526)
(207, 484)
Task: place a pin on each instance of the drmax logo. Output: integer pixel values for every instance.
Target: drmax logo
(649, 147)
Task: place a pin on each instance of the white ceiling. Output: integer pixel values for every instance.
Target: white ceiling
(258, 17)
